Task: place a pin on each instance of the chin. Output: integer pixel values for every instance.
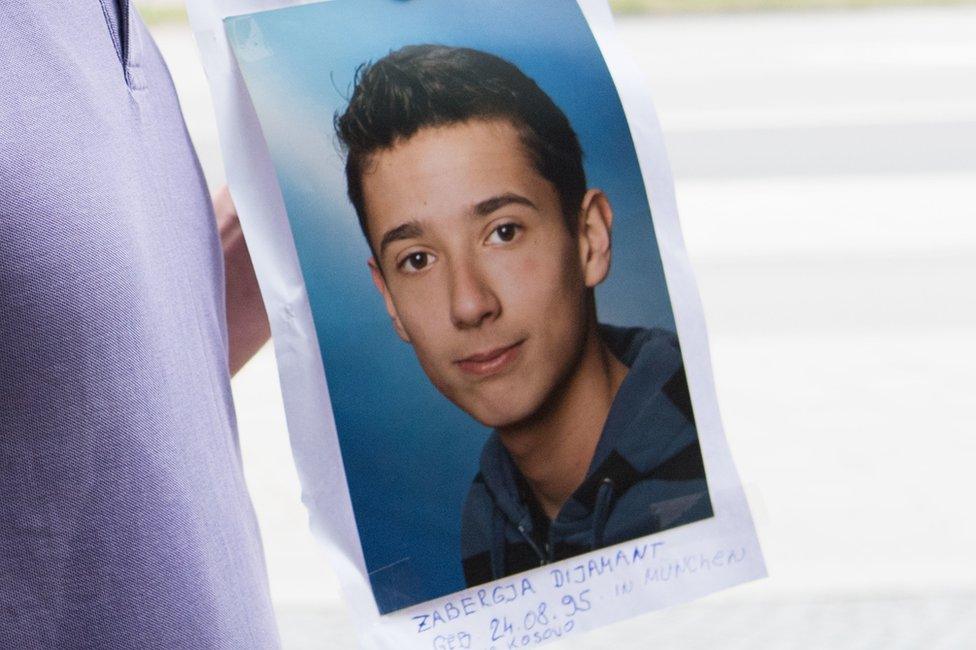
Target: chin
(499, 418)
(494, 421)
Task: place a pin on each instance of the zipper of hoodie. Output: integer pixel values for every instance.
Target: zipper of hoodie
(599, 521)
(544, 557)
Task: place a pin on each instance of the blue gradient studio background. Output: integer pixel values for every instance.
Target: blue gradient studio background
(410, 454)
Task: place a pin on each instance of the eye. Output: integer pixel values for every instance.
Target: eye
(415, 262)
(504, 233)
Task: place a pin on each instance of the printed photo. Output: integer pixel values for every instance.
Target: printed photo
(472, 226)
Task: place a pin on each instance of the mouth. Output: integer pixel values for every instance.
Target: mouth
(491, 362)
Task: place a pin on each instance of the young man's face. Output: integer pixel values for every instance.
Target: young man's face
(478, 268)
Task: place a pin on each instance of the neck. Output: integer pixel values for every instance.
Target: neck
(554, 449)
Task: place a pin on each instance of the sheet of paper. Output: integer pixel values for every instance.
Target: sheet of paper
(490, 343)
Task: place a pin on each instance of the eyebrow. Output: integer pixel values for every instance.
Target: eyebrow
(409, 230)
(488, 206)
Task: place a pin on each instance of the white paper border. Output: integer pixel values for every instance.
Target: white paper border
(697, 559)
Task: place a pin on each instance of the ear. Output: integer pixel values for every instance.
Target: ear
(380, 283)
(595, 226)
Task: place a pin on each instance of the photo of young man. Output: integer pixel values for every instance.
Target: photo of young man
(487, 246)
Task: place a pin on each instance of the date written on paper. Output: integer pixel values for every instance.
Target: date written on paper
(541, 623)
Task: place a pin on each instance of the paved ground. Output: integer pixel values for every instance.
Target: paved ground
(826, 176)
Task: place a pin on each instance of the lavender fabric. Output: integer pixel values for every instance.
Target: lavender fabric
(124, 517)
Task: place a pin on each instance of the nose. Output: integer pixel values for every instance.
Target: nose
(472, 300)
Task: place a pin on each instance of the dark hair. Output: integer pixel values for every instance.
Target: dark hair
(422, 86)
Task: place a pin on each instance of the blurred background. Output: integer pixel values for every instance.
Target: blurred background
(824, 155)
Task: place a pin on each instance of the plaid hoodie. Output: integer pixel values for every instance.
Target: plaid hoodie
(646, 475)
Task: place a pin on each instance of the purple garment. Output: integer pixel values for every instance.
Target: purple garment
(124, 517)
